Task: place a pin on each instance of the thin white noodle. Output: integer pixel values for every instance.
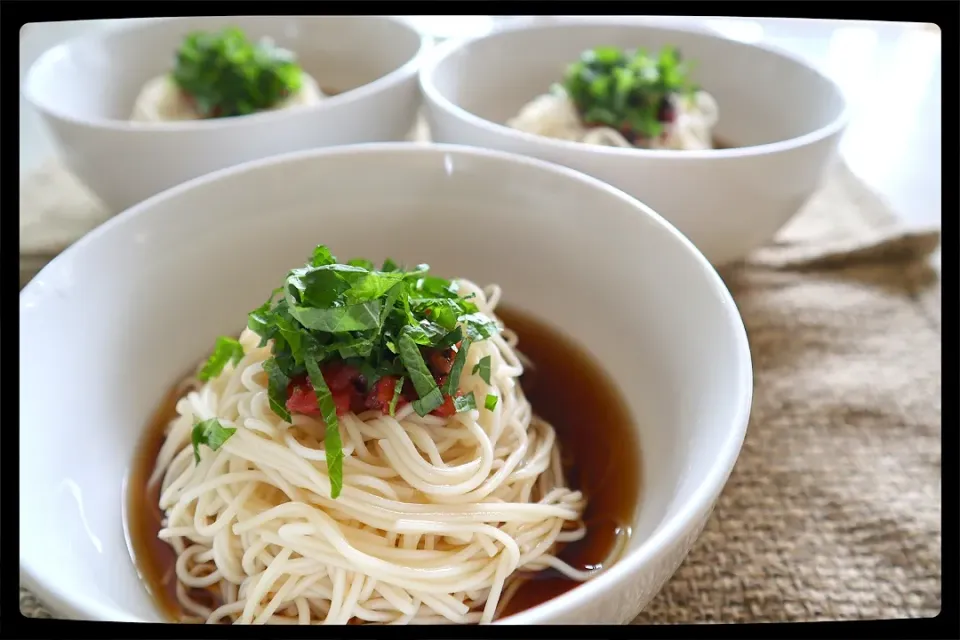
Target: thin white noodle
(439, 519)
(554, 115)
(160, 100)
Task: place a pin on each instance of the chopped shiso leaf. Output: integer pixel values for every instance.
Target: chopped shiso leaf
(423, 382)
(397, 390)
(332, 444)
(224, 74)
(226, 350)
(483, 368)
(627, 90)
(453, 379)
(277, 383)
(348, 337)
(465, 403)
(211, 433)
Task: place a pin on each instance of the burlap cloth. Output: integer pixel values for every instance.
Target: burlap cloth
(833, 509)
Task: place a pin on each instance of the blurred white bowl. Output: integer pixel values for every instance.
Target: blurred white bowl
(85, 89)
(113, 321)
(785, 117)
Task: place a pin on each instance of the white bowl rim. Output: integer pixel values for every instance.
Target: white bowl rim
(382, 83)
(446, 49)
(669, 532)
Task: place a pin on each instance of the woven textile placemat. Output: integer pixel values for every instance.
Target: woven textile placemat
(833, 509)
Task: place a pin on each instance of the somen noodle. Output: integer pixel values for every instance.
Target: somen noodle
(624, 98)
(440, 518)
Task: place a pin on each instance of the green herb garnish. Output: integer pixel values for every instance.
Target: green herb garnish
(225, 74)
(627, 90)
(490, 403)
(380, 322)
(453, 379)
(483, 368)
(479, 327)
(430, 395)
(397, 390)
(211, 433)
(332, 444)
(226, 350)
(277, 383)
(464, 403)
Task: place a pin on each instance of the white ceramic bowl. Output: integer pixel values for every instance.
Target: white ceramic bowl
(111, 323)
(85, 90)
(786, 117)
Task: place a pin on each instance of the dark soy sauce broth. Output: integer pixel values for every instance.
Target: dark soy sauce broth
(154, 558)
(719, 143)
(569, 389)
(565, 386)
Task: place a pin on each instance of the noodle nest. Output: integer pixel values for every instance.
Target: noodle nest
(439, 520)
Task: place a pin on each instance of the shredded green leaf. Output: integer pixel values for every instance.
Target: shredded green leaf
(211, 433)
(423, 382)
(450, 339)
(277, 382)
(464, 403)
(397, 390)
(224, 351)
(453, 378)
(483, 368)
(354, 317)
(225, 74)
(479, 327)
(332, 444)
(384, 322)
(627, 90)
(490, 403)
